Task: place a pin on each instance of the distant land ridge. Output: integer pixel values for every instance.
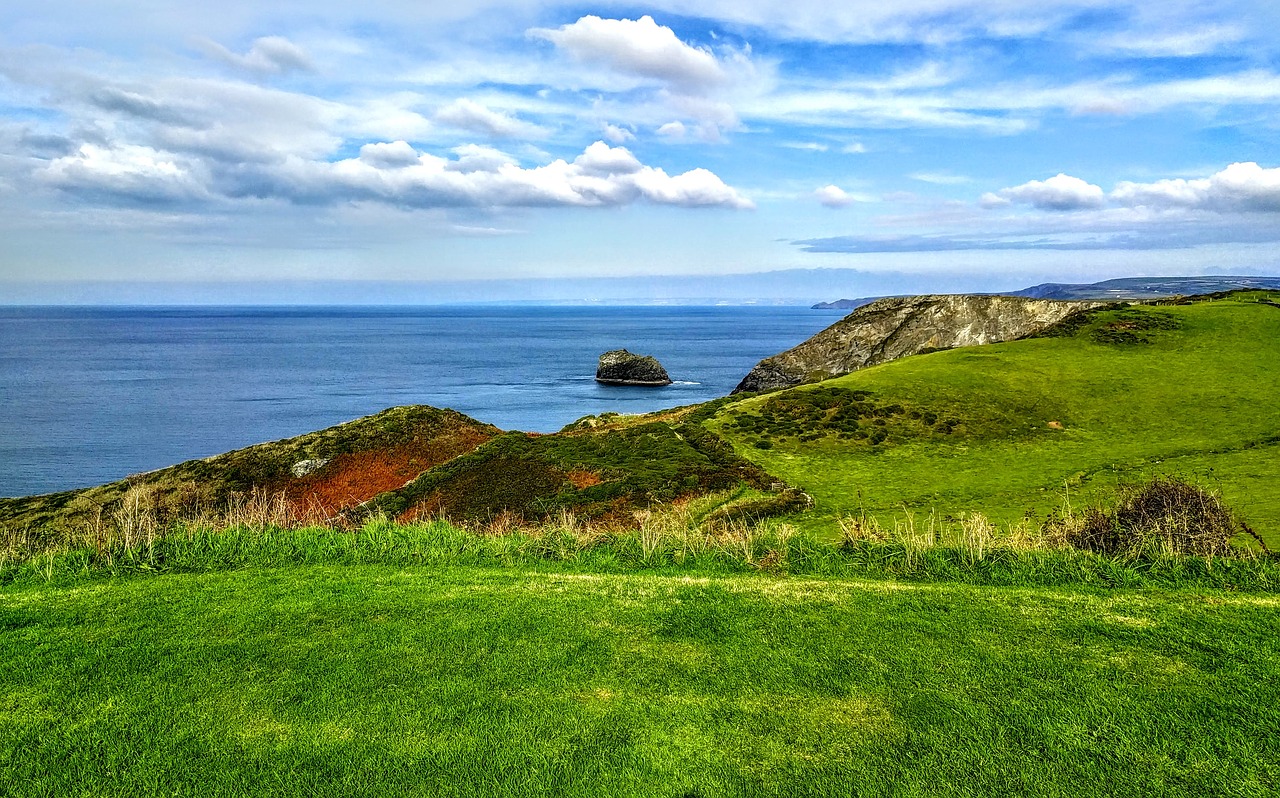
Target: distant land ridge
(1118, 289)
(894, 327)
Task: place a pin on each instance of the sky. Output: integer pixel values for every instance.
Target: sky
(915, 145)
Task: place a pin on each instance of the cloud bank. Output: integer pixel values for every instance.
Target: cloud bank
(1239, 204)
(393, 173)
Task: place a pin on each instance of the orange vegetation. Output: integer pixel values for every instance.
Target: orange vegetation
(350, 479)
(581, 478)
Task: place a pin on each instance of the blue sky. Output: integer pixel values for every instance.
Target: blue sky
(972, 144)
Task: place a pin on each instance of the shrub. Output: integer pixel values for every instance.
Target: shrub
(1166, 515)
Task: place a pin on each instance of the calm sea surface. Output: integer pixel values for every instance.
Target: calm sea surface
(90, 395)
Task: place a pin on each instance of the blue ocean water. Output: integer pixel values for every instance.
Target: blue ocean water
(90, 395)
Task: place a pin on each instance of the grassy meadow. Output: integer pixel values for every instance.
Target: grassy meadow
(1021, 428)
(529, 680)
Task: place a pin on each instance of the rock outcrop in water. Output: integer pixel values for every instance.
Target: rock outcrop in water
(894, 327)
(620, 367)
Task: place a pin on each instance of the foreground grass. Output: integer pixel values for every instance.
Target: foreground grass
(674, 543)
(1040, 421)
(462, 680)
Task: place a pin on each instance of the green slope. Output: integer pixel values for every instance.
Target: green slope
(454, 681)
(1188, 389)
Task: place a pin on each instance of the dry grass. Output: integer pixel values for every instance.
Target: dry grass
(675, 533)
(973, 534)
(1165, 516)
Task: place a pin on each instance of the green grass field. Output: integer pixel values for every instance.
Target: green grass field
(1022, 427)
(701, 654)
(527, 681)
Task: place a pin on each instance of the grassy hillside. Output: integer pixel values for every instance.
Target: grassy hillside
(606, 472)
(1018, 428)
(312, 476)
(451, 681)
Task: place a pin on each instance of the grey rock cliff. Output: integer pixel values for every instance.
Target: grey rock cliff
(894, 327)
(620, 367)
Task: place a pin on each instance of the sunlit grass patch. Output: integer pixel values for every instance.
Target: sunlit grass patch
(1039, 419)
(454, 680)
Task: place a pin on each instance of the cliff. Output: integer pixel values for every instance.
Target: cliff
(894, 327)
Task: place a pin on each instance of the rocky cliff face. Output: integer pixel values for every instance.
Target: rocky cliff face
(621, 367)
(894, 327)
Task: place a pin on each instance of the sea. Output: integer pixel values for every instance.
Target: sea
(91, 395)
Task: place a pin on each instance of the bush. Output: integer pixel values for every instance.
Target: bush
(1166, 515)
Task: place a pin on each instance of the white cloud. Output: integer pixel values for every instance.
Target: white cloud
(617, 134)
(941, 178)
(850, 106)
(672, 130)
(140, 174)
(808, 146)
(389, 155)
(269, 55)
(639, 47)
(854, 148)
(1181, 43)
(1122, 94)
(392, 173)
(478, 158)
(601, 159)
(1060, 193)
(1241, 187)
(834, 197)
(470, 115)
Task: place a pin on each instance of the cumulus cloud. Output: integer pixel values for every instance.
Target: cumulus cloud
(672, 130)
(618, 134)
(269, 55)
(125, 172)
(389, 155)
(393, 173)
(660, 74)
(1241, 187)
(470, 115)
(479, 158)
(638, 47)
(1237, 205)
(834, 197)
(1060, 193)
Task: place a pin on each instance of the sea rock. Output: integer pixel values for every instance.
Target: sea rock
(620, 367)
(895, 327)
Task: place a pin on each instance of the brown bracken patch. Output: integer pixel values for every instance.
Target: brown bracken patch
(581, 478)
(350, 479)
